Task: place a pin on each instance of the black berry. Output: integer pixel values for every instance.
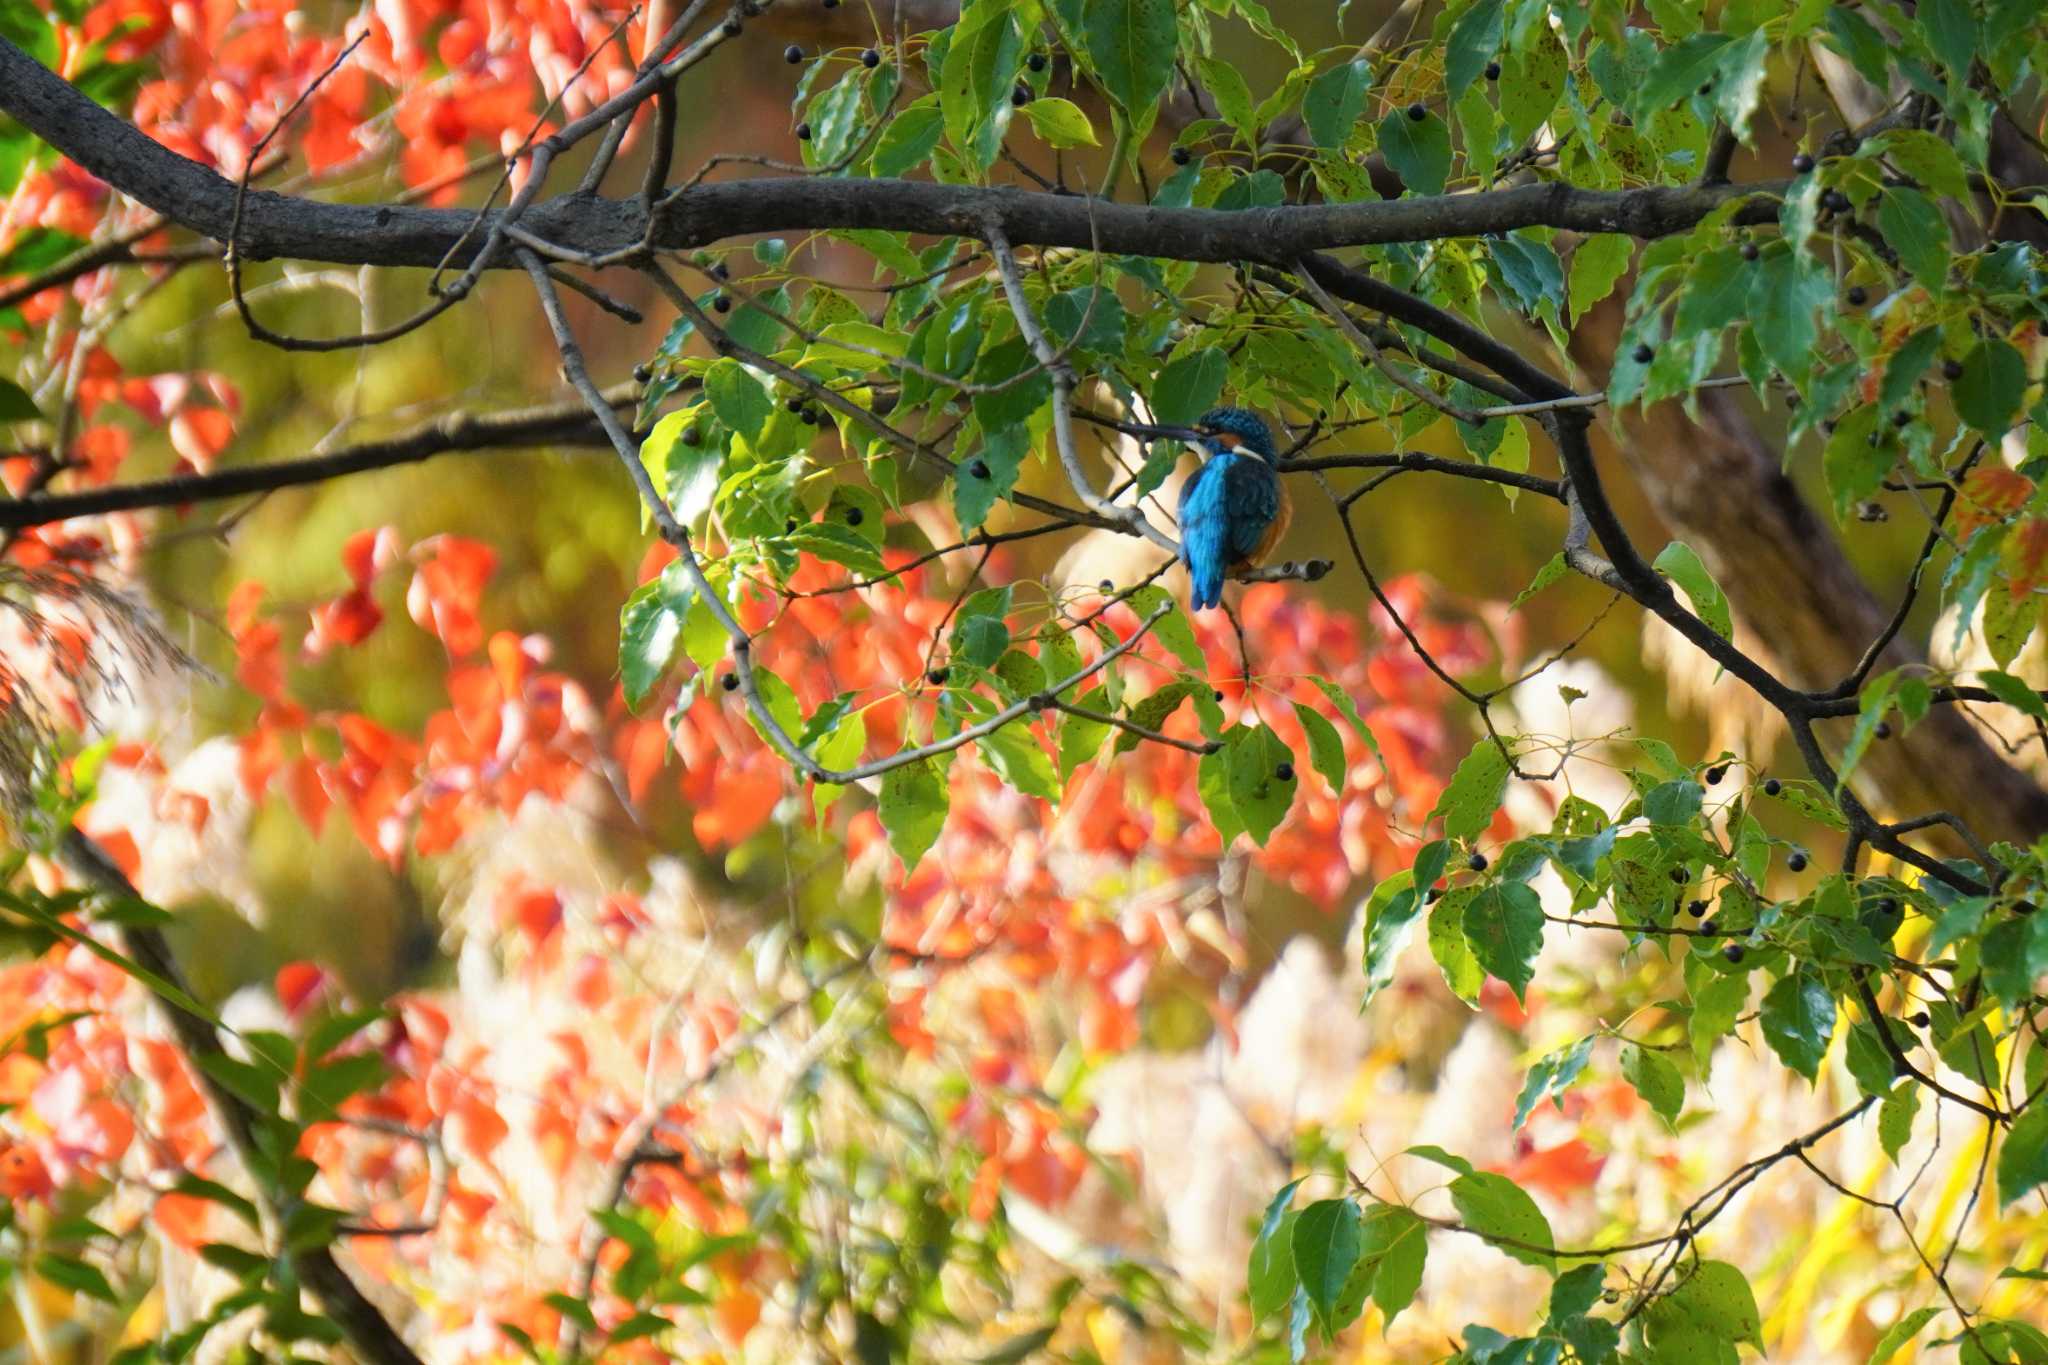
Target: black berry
(2023, 907)
(1285, 772)
(1021, 96)
(1679, 876)
(1706, 87)
(718, 271)
(1644, 353)
(870, 58)
(1801, 164)
(1733, 952)
(1902, 418)
(1493, 71)
(793, 54)
(979, 469)
(1710, 927)
(1433, 895)
(1772, 786)
(1834, 201)
(1105, 586)
(731, 28)
(1036, 61)
(1418, 111)
(1857, 296)
(795, 403)
(1716, 773)
(1749, 251)
(809, 417)
(937, 677)
(803, 132)
(1696, 909)
(1796, 860)
(1182, 156)
(1883, 729)
(1951, 370)
(1217, 693)
(641, 374)
(690, 436)
(1920, 1020)
(722, 304)
(1477, 862)
(730, 682)
(853, 516)
(789, 525)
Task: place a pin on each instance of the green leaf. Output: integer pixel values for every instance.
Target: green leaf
(650, 631)
(1678, 562)
(1895, 1119)
(908, 141)
(1017, 757)
(1782, 299)
(975, 81)
(1328, 1237)
(1325, 747)
(1504, 925)
(1501, 1211)
(1271, 1277)
(1393, 1248)
(2014, 693)
(1259, 792)
(1673, 803)
(1656, 1080)
(1554, 570)
(1925, 157)
(913, 809)
(1901, 1332)
(1474, 41)
(980, 632)
(1390, 914)
(1680, 70)
(1916, 230)
(1188, 386)
(1858, 40)
(1212, 780)
(1713, 1304)
(1335, 100)
(1452, 951)
(838, 545)
(2015, 956)
(1418, 150)
(1233, 98)
(1060, 123)
(1739, 80)
(1552, 1075)
(1799, 1020)
(1598, 263)
(1988, 394)
(1131, 44)
(738, 399)
(1171, 629)
(16, 405)
(1716, 292)
(1349, 711)
(1951, 31)
(1475, 790)
(68, 1272)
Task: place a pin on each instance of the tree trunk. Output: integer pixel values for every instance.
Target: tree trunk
(1718, 485)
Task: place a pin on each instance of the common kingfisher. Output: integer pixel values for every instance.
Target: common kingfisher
(1235, 508)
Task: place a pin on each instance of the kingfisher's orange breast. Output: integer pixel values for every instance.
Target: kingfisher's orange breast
(1274, 530)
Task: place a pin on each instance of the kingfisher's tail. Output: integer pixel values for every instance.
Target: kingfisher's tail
(1205, 586)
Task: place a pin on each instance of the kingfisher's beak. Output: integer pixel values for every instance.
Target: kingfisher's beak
(1191, 435)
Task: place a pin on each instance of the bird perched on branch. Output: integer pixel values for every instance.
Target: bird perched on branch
(1235, 509)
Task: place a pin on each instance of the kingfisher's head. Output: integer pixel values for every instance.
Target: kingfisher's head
(1225, 429)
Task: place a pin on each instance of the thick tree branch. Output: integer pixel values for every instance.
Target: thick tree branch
(370, 1335)
(281, 225)
(558, 424)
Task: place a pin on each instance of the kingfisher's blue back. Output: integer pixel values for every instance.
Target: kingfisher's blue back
(1231, 507)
